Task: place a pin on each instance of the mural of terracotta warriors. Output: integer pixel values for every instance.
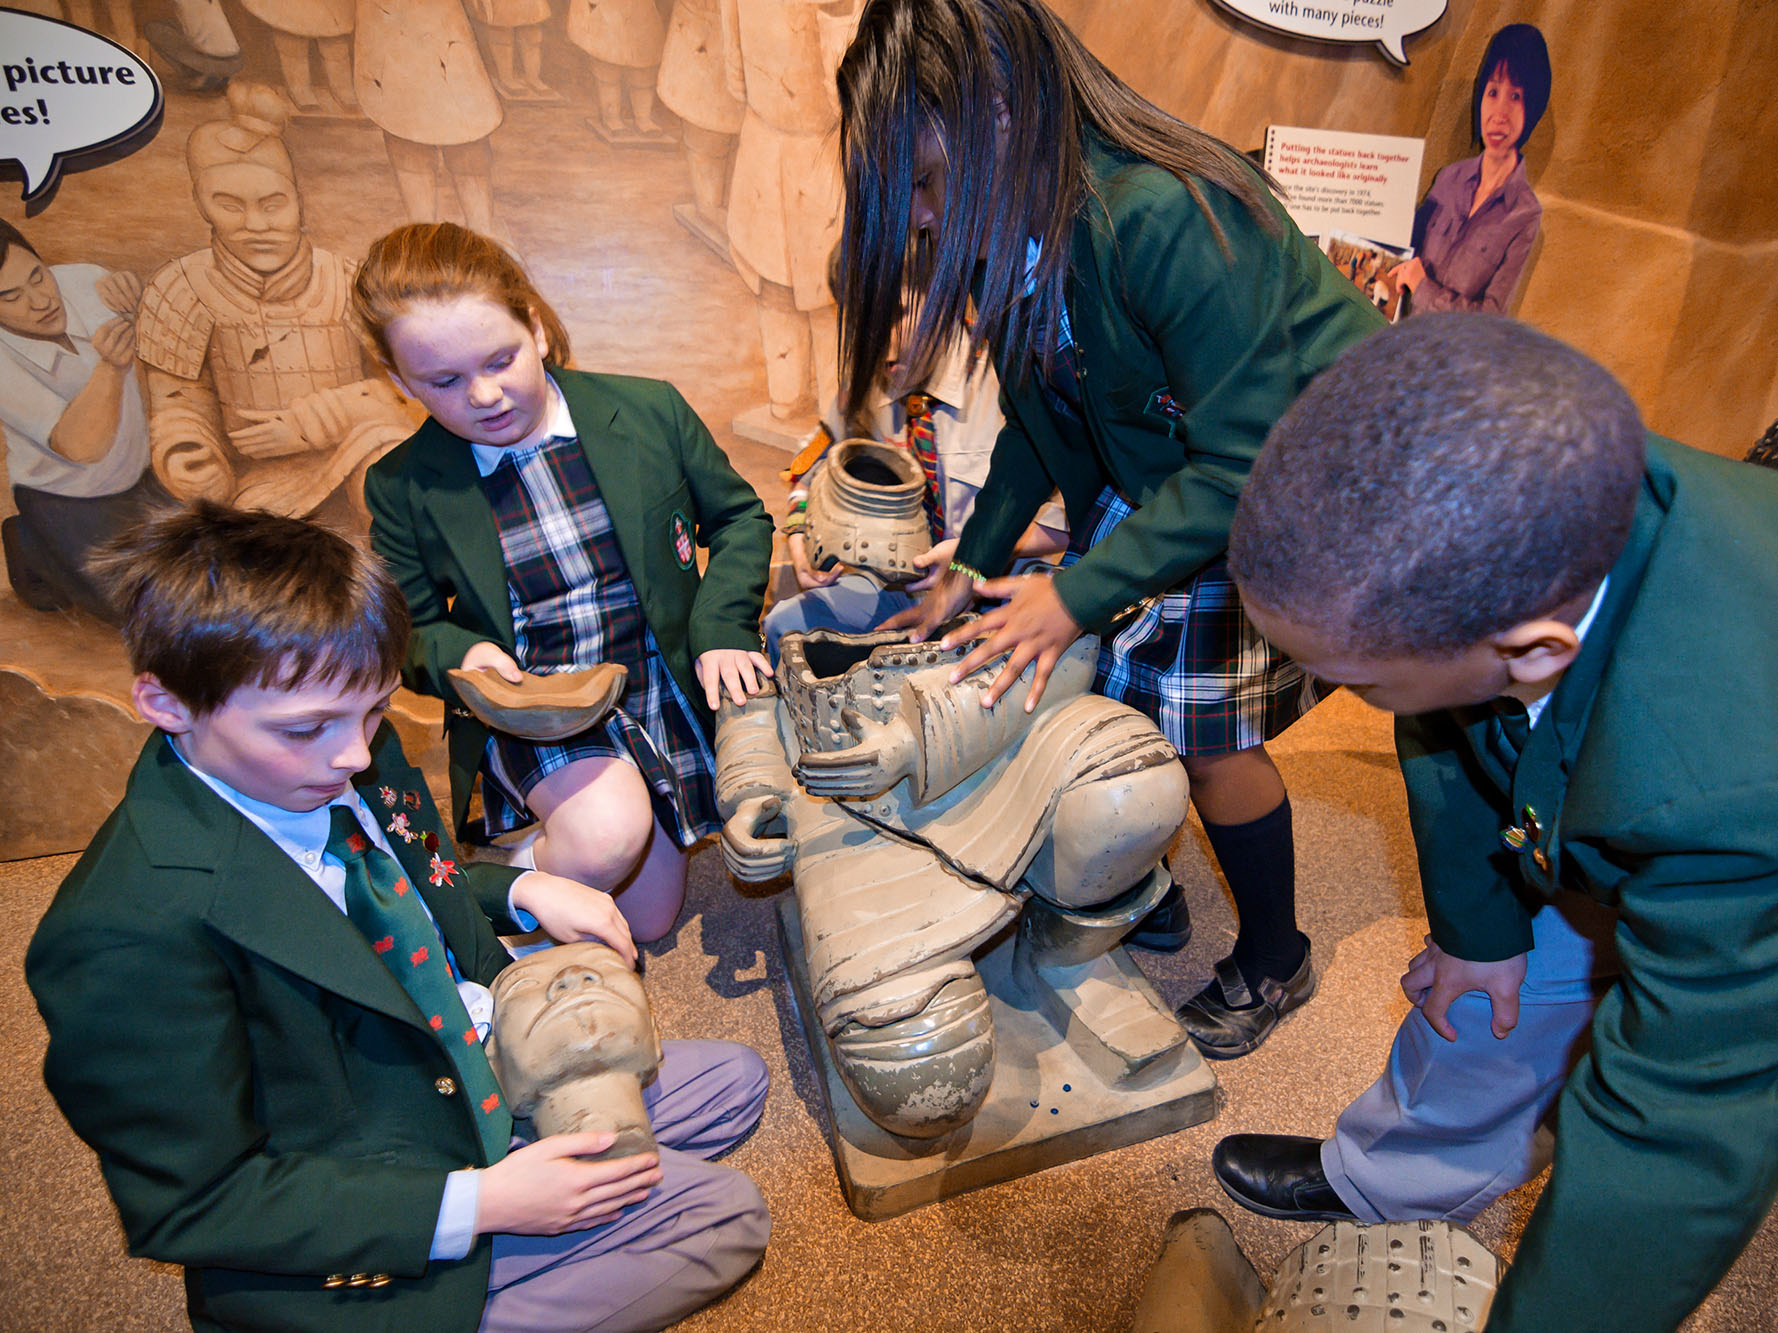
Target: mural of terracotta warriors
(514, 33)
(420, 77)
(257, 387)
(785, 199)
(327, 24)
(694, 86)
(623, 38)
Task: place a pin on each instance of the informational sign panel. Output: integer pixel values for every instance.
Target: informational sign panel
(66, 91)
(1335, 180)
(1386, 22)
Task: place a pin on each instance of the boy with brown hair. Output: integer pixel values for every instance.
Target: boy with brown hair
(275, 1047)
(1464, 522)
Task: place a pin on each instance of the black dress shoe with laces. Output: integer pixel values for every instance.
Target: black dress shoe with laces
(1227, 1018)
(1168, 926)
(1278, 1175)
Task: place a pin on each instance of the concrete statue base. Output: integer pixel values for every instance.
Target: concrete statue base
(628, 136)
(789, 434)
(1047, 1105)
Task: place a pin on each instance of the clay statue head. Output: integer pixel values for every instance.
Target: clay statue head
(574, 1043)
(243, 180)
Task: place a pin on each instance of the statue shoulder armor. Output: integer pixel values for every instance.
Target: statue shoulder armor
(330, 285)
(173, 324)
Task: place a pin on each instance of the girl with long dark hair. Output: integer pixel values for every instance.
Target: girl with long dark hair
(1152, 311)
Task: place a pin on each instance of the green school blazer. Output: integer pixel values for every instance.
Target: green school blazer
(661, 476)
(1187, 357)
(264, 1098)
(1652, 778)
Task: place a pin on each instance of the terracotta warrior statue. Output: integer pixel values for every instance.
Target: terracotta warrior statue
(693, 87)
(786, 195)
(258, 391)
(623, 40)
(917, 824)
(1393, 1277)
(574, 1044)
(328, 25)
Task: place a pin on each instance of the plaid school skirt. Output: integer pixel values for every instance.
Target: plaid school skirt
(668, 751)
(574, 604)
(1191, 660)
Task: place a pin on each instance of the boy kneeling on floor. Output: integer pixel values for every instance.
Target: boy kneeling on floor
(275, 1048)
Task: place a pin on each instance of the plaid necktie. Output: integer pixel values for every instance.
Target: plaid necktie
(922, 441)
(380, 903)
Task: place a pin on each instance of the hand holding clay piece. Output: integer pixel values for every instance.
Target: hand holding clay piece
(574, 1043)
(542, 708)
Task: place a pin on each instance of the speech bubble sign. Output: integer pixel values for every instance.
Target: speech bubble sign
(1388, 23)
(65, 91)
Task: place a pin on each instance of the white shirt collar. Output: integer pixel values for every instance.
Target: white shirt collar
(1535, 708)
(556, 422)
(299, 834)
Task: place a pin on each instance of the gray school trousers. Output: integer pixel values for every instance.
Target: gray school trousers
(1451, 1126)
(700, 1231)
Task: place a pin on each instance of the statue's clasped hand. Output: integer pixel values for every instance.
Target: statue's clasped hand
(885, 754)
(749, 856)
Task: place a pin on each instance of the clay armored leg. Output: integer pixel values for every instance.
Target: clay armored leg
(887, 927)
(1097, 874)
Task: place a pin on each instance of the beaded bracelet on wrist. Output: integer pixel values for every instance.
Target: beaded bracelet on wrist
(958, 567)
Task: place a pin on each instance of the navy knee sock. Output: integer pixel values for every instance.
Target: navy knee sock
(1258, 860)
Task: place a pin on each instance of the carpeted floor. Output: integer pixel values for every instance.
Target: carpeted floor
(1065, 1249)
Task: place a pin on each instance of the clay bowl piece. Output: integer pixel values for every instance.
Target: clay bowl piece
(542, 708)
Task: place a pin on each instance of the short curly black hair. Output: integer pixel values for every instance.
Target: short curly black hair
(1446, 479)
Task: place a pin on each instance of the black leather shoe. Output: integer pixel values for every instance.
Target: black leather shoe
(1168, 926)
(1227, 1019)
(1278, 1175)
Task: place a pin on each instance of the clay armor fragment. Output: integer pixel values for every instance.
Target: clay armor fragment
(866, 510)
(1343, 1278)
(542, 708)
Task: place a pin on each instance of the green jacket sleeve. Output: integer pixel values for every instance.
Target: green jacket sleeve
(1237, 336)
(1667, 1157)
(1472, 908)
(733, 523)
(437, 644)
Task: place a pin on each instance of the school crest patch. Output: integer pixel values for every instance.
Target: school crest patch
(682, 543)
(1161, 403)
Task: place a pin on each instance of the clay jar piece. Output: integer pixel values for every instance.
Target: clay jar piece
(542, 708)
(866, 510)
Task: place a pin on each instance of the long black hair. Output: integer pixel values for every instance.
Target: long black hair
(1009, 92)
